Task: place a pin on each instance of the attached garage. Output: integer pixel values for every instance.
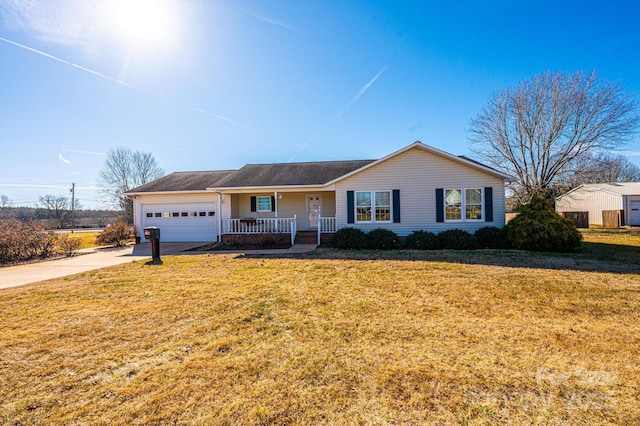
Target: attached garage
(193, 222)
(180, 205)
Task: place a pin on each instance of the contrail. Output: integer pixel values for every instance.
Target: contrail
(363, 90)
(302, 147)
(271, 21)
(64, 160)
(219, 117)
(85, 152)
(55, 58)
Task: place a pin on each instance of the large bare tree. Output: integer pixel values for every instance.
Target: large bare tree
(124, 170)
(537, 130)
(602, 168)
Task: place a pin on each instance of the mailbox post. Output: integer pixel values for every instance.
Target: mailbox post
(152, 233)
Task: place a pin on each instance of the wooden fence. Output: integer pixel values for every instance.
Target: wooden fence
(581, 219)
(612, 218)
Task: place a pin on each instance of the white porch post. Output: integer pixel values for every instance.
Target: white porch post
(275, 200)
(219, 219)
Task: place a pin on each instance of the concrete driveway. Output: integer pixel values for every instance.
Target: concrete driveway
(13, 276)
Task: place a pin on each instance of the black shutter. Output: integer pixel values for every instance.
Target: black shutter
(273, 203)
(396, 206)
(253, 204)
(439, 205)
(350, 208)
(488, 204)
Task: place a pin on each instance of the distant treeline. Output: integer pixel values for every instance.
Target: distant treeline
(79, 218)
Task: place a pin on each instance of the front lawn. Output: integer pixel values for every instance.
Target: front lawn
(464, 338)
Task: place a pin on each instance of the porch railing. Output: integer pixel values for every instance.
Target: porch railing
(326, 225)
(278, 225)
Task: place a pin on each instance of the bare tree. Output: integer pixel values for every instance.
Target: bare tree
(537, 130)
(5, 201)
(123, 171)
(57, 208)
(5, 204)
(601, 168)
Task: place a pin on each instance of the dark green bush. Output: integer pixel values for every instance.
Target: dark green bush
(423, 240)
(492, 237)
(382, 239)
(457, 239)
(348, 238)
(539, 228)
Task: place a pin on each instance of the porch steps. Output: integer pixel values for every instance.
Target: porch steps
(307, 237)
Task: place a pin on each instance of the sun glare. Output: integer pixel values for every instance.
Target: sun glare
(143, 23)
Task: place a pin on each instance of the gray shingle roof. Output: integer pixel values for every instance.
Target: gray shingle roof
(282, 174)
(183, 181)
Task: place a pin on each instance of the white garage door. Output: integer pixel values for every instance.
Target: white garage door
(181, 222)
(634, 217)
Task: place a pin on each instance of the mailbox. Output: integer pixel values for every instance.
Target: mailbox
(152, 233)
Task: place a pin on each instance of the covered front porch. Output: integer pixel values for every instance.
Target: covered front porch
(278, 212)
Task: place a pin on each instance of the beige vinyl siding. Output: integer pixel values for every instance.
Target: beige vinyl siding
(417, 174)
(227, 205)
(589, 199)
(175, 199)
(244, 205)
(291, 203)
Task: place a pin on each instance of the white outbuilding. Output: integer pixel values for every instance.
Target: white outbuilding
(595, 198)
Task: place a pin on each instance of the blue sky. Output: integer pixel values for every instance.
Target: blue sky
(207, 85)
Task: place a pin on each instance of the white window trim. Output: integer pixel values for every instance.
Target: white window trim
(373, 207)
(258, 203)
(463, 205)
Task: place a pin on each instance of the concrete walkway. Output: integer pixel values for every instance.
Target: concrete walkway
(13, 276)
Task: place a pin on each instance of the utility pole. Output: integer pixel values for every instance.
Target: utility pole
(73, 202)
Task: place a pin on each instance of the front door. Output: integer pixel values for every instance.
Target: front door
(314, 209)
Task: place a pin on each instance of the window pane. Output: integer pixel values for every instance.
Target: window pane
(453, 196)
(453, 204)
(383, 206)
(474, 212)
(474, 196)
(264, 204)
(473, 203)
(363, 199)
(453, 213)
(363, 206)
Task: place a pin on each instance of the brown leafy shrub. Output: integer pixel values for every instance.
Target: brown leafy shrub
(24, 240)
(118, 234)
(68, 245)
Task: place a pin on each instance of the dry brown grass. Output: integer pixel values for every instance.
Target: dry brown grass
(88, 239)
(215, 339)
